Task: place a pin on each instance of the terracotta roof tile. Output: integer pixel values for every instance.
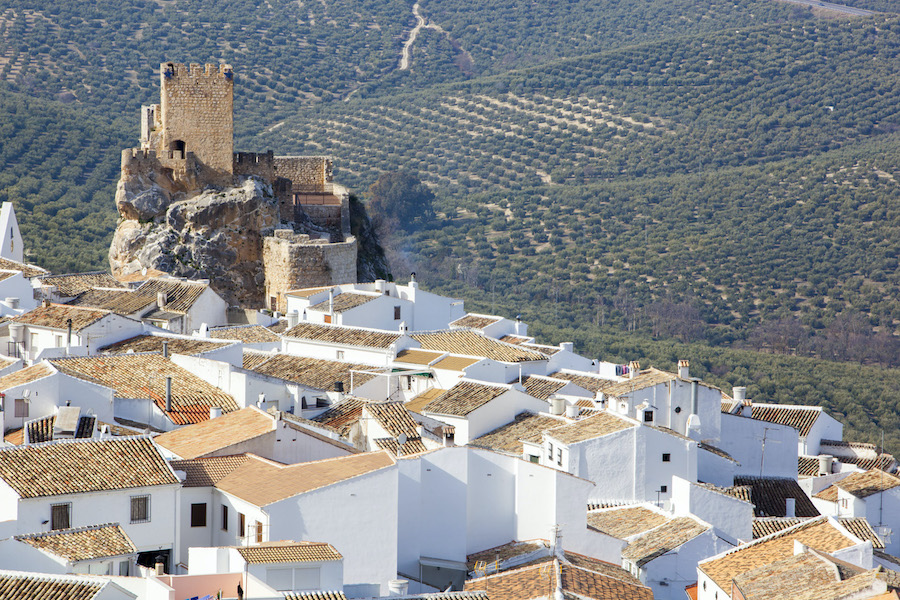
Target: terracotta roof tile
(154, 343)
(199, 439)
(471, 343)
(717, 451)
(809, 574)
(475, 321)
(603, 423)
(16, 437)
(412, 446)
(342, 415)
(418, 404)
(83, 543)
(180, 295)
(59, 467)
(344, 301)
(56, 316)
(527, 426)
(463, 398)
(807, 466)
(455, 363)
(861, 485)
(801, 418)
(28, 271)
(347, 336)
(816, 533)
(393, 417)
(318, 595)
(41, 430)
(307, 292)
(663, 539)
(73, 284)
(141, 275)
(120, 301)
(626, 521)
(644, 379)
(249, 334)
(514, 339)
(592, 383)
(504, 552)
(26, 375)
(202, 472)
(263, 482)
(418, 357)
(288, 552)
(315, 373)
(40, 586)
(858, 526)
(542, 387)
(769, 496)
(144, 376)
(542, 348)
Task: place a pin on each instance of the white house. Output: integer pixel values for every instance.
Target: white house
(47, 487)
(873, 495)
(16, 295)
(26, 584)
(811, 422)
(255, 337)
(65, 287)
(731, 516)
(12, 247)
(284, 566)
(759, 447)
(103, 549)
(352, 344)
(628, 460)
(348, 502)
(183, 306)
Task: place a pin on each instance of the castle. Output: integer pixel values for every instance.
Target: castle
(187, 146)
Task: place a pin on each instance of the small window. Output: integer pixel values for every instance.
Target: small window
(124, 568)
(663, 489)
(667, 457)
(259, 536)
(21, 408)
(550, 453)
(340, 354)
(224, 518)
(242, 525)
(534, 459)
(396, 313)
(648, 416)
(60, 516)
(328, 318)
(140, 509)
(559, 456)
(198, 514)
(58, 340)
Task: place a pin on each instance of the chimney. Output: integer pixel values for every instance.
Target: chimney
(601, 399)
(790, 507)
(165, 349)
(739, 393)
(160, 565)
(292, 319)
(825, 464)
(398, 587)
(412, 280)
(161, 298)
(684, 370)
(168, 394)
(379, 285)
(68, 334)
(46, 303)
(633, 368)
(694, 401)
(261, 400)
(215, 411)
(557, 406)
(566, 346)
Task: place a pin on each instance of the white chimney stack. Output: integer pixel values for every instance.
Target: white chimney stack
(790, 507)
(398, 587)
(215, 411)
(684, 370)
(739, 393)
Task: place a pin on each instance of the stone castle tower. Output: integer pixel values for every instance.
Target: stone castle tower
(187, 145)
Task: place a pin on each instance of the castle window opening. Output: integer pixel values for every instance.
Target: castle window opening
(177, 148)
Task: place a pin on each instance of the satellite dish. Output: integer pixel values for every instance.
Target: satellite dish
(401, 439)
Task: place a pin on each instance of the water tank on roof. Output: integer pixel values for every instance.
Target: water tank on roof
(12, 303)
(557, 406)
(16, 332)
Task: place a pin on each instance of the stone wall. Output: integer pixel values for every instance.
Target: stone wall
(292, 261)
(311, 173)
(196, 106)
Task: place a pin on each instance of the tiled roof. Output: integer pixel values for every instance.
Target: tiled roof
(504, 552)
(741, 492)
(307, 292)
(61, 467)
(141, 275)
(805, 575)
(249, 334)
(263, 482)
(56, 316)
(344, 301)
(418, 404)
(318, 595)
(41, 430)
(26, 375)
(539, 580)
(412, 446)
(801, 418)
(209, 436)
(514, 339)
(28, 271)
(716, 451)
(455, 363)
(858, 526)
(74, 284)
(542, 348)
(861, 485)
(816, 533)
(154, 343)
(883, 462)
(40, 586)
(542, 387)
(288, 552)
(769, 495)
(418, 357)
(253, 358)
(807, 466)
(342, 415)
(474, 321)
(626, 521)
(144, 376)
(347, 336)
(315, 373)
(644, 379)
(83, 543)
(471, 343)
(393, 417)
(508, 438)
(592, 383)
(603, 423)
(180, 295)
(119, 301)
(463, 398)
(663, 539)
(208, 471)
(16, 437)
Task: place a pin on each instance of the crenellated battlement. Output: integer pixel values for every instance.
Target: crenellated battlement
(170, 71)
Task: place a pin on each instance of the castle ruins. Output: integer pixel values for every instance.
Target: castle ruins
(187, 146)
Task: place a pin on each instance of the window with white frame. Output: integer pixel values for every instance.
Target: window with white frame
(21, 408)
(61, 516)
